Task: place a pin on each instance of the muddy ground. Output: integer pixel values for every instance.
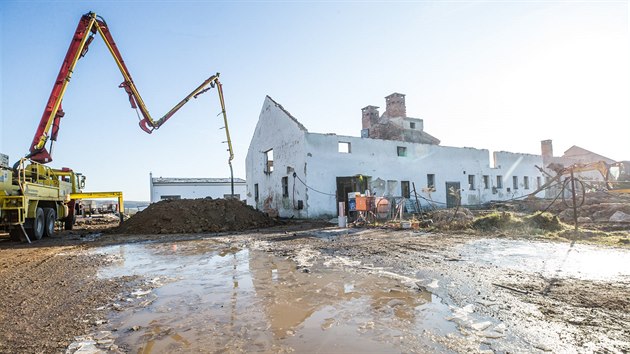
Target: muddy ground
(51, 292)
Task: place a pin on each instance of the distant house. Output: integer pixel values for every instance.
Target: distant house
(193, 188)
(574, 155)
(292, 172)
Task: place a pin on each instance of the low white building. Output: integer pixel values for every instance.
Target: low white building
(295, 173)
(193, 188)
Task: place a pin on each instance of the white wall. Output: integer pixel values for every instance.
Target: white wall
(276, 130)
(316, 160)
(194, 191)
(378, 159)
(511, 165)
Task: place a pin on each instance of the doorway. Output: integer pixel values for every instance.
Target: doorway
(351, 184)
(453, 194)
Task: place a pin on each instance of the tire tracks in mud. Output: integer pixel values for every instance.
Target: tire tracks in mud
(50, 295)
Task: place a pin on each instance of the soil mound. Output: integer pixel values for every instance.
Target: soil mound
(195, 216)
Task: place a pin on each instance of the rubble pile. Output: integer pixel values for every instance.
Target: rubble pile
(597, 207)
(601, 207)
(195, 216)
(458, 218)
(104, 219)
(605, 212)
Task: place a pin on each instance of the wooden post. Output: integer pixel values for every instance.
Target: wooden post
(416, 195)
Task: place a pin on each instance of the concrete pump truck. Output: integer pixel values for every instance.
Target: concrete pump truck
(33, 196)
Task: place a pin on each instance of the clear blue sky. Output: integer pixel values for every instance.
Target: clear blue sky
(500, 75)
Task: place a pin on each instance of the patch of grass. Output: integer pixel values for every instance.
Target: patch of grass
(536, 224)
(498, 220)
(545, 221)
(543, 225)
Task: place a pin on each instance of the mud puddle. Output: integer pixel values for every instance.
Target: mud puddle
(213, 297)
(557, 260)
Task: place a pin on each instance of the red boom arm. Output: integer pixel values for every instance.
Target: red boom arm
(48, 127)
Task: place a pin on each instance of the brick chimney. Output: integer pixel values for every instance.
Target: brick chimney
(369, 116)
(395, 105)
(546, 148)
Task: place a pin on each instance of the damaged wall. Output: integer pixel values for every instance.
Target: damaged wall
(279, 132)
(394, 124)
(379, 160)
(318, 159)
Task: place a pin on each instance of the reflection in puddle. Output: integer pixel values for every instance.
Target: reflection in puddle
(228, 299)
(552, 259)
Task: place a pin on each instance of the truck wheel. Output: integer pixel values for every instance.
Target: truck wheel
(50, 216)
(36, 229)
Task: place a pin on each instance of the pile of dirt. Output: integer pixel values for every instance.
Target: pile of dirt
(195, 216)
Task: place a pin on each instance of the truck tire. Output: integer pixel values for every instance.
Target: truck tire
(35, 230)
(50, 217)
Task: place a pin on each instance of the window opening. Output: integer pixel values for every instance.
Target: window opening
(402, 151)
(256, 192)
(499, 181)
(344, 147)
(526, 182)
(471, 182)
(431, 180)
(285, 187)
(269, 159)
(486, 182)
(515, 182)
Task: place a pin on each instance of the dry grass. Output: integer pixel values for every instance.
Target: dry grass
(511, 223)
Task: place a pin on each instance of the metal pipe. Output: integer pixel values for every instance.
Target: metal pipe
(575, 217)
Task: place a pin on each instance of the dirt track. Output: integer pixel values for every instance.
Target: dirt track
(51, 293)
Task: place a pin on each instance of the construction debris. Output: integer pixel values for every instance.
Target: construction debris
(597, 207)
(458, 218)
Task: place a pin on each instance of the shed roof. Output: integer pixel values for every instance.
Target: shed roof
(170, 180)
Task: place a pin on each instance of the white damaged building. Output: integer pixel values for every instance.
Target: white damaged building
(292, 172)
